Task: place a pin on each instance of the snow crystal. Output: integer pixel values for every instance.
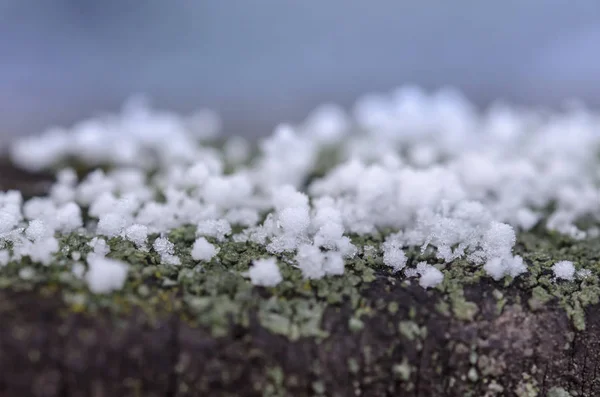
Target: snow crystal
(68, 217)
(265, 272)
(393, 256)
(4, 257)
(564, 270)
(78, 270)
(584, 273)
(36, 230)
(202, 250)
(137, 234)
(105, 275)
(42, 250)
(99, 246)
(310, 261)
(166, 250)
(430, 276)
(214, 228)
(27, 273)
(111, 224)
(333, 263)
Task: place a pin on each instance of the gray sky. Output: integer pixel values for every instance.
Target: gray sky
(260, 62)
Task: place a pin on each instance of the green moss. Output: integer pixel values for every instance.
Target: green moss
(403, 370)
(409, 329)
(355, 324)
(558, 392)
(539, 297)
(215, 294)
(353, 366)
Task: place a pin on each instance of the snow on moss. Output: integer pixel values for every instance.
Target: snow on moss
(202, 250)
(564, 270)
(265, 272)
(105, 275)
(427, 171)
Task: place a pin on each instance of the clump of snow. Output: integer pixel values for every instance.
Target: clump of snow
(214, 228)
(564, 270)
(137, 234)
(393, 256)
(310, 261)
(27, 273)
(78, 270)
(4, 257)
(430, 275)
(105, 275)
(99, 246)
(36, 230)
(584, 273)
(111, 225)
(202, 250)
(166, 250)
(265, 272)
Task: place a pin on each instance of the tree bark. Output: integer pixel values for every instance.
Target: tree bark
(47, 351)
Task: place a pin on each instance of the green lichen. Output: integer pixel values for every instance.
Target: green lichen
(216, 293)
(403, 370)
(558, 392)
(409, 329)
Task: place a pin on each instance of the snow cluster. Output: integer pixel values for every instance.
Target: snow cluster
(564, 270)
(429, 169)
(430, 275)
(265, 272)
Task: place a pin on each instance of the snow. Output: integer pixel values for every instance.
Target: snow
(217, 228)
(422, 170)
(137, 234)
(265, 272)
(202, 250)
(4, 257)
(36, 230)
(393, 256)
(430, 275)
(105, 275)
(111, 224)
(564, 270)
(166, 250)
(310, 261)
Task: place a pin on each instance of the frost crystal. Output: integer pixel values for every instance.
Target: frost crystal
(105, 275)
(430, 275)
(564, 270)
(265, 272)
(202, 250)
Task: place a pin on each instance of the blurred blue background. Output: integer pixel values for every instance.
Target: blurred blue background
(262, 61)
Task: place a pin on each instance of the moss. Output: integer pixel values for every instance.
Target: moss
(215, 294)
(275, 386)
(463, 309)
(472, 375)
(558, 392)
(403, 370)
(409, 329)
(355, 324)
(539, 297)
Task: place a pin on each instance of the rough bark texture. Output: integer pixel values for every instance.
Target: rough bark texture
(45, 352)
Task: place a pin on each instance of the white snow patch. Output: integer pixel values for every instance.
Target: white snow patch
(202, 250)
(105, 275)
(564, 270)
(265, 272)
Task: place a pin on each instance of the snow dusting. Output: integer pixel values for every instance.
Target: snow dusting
(427, 171)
